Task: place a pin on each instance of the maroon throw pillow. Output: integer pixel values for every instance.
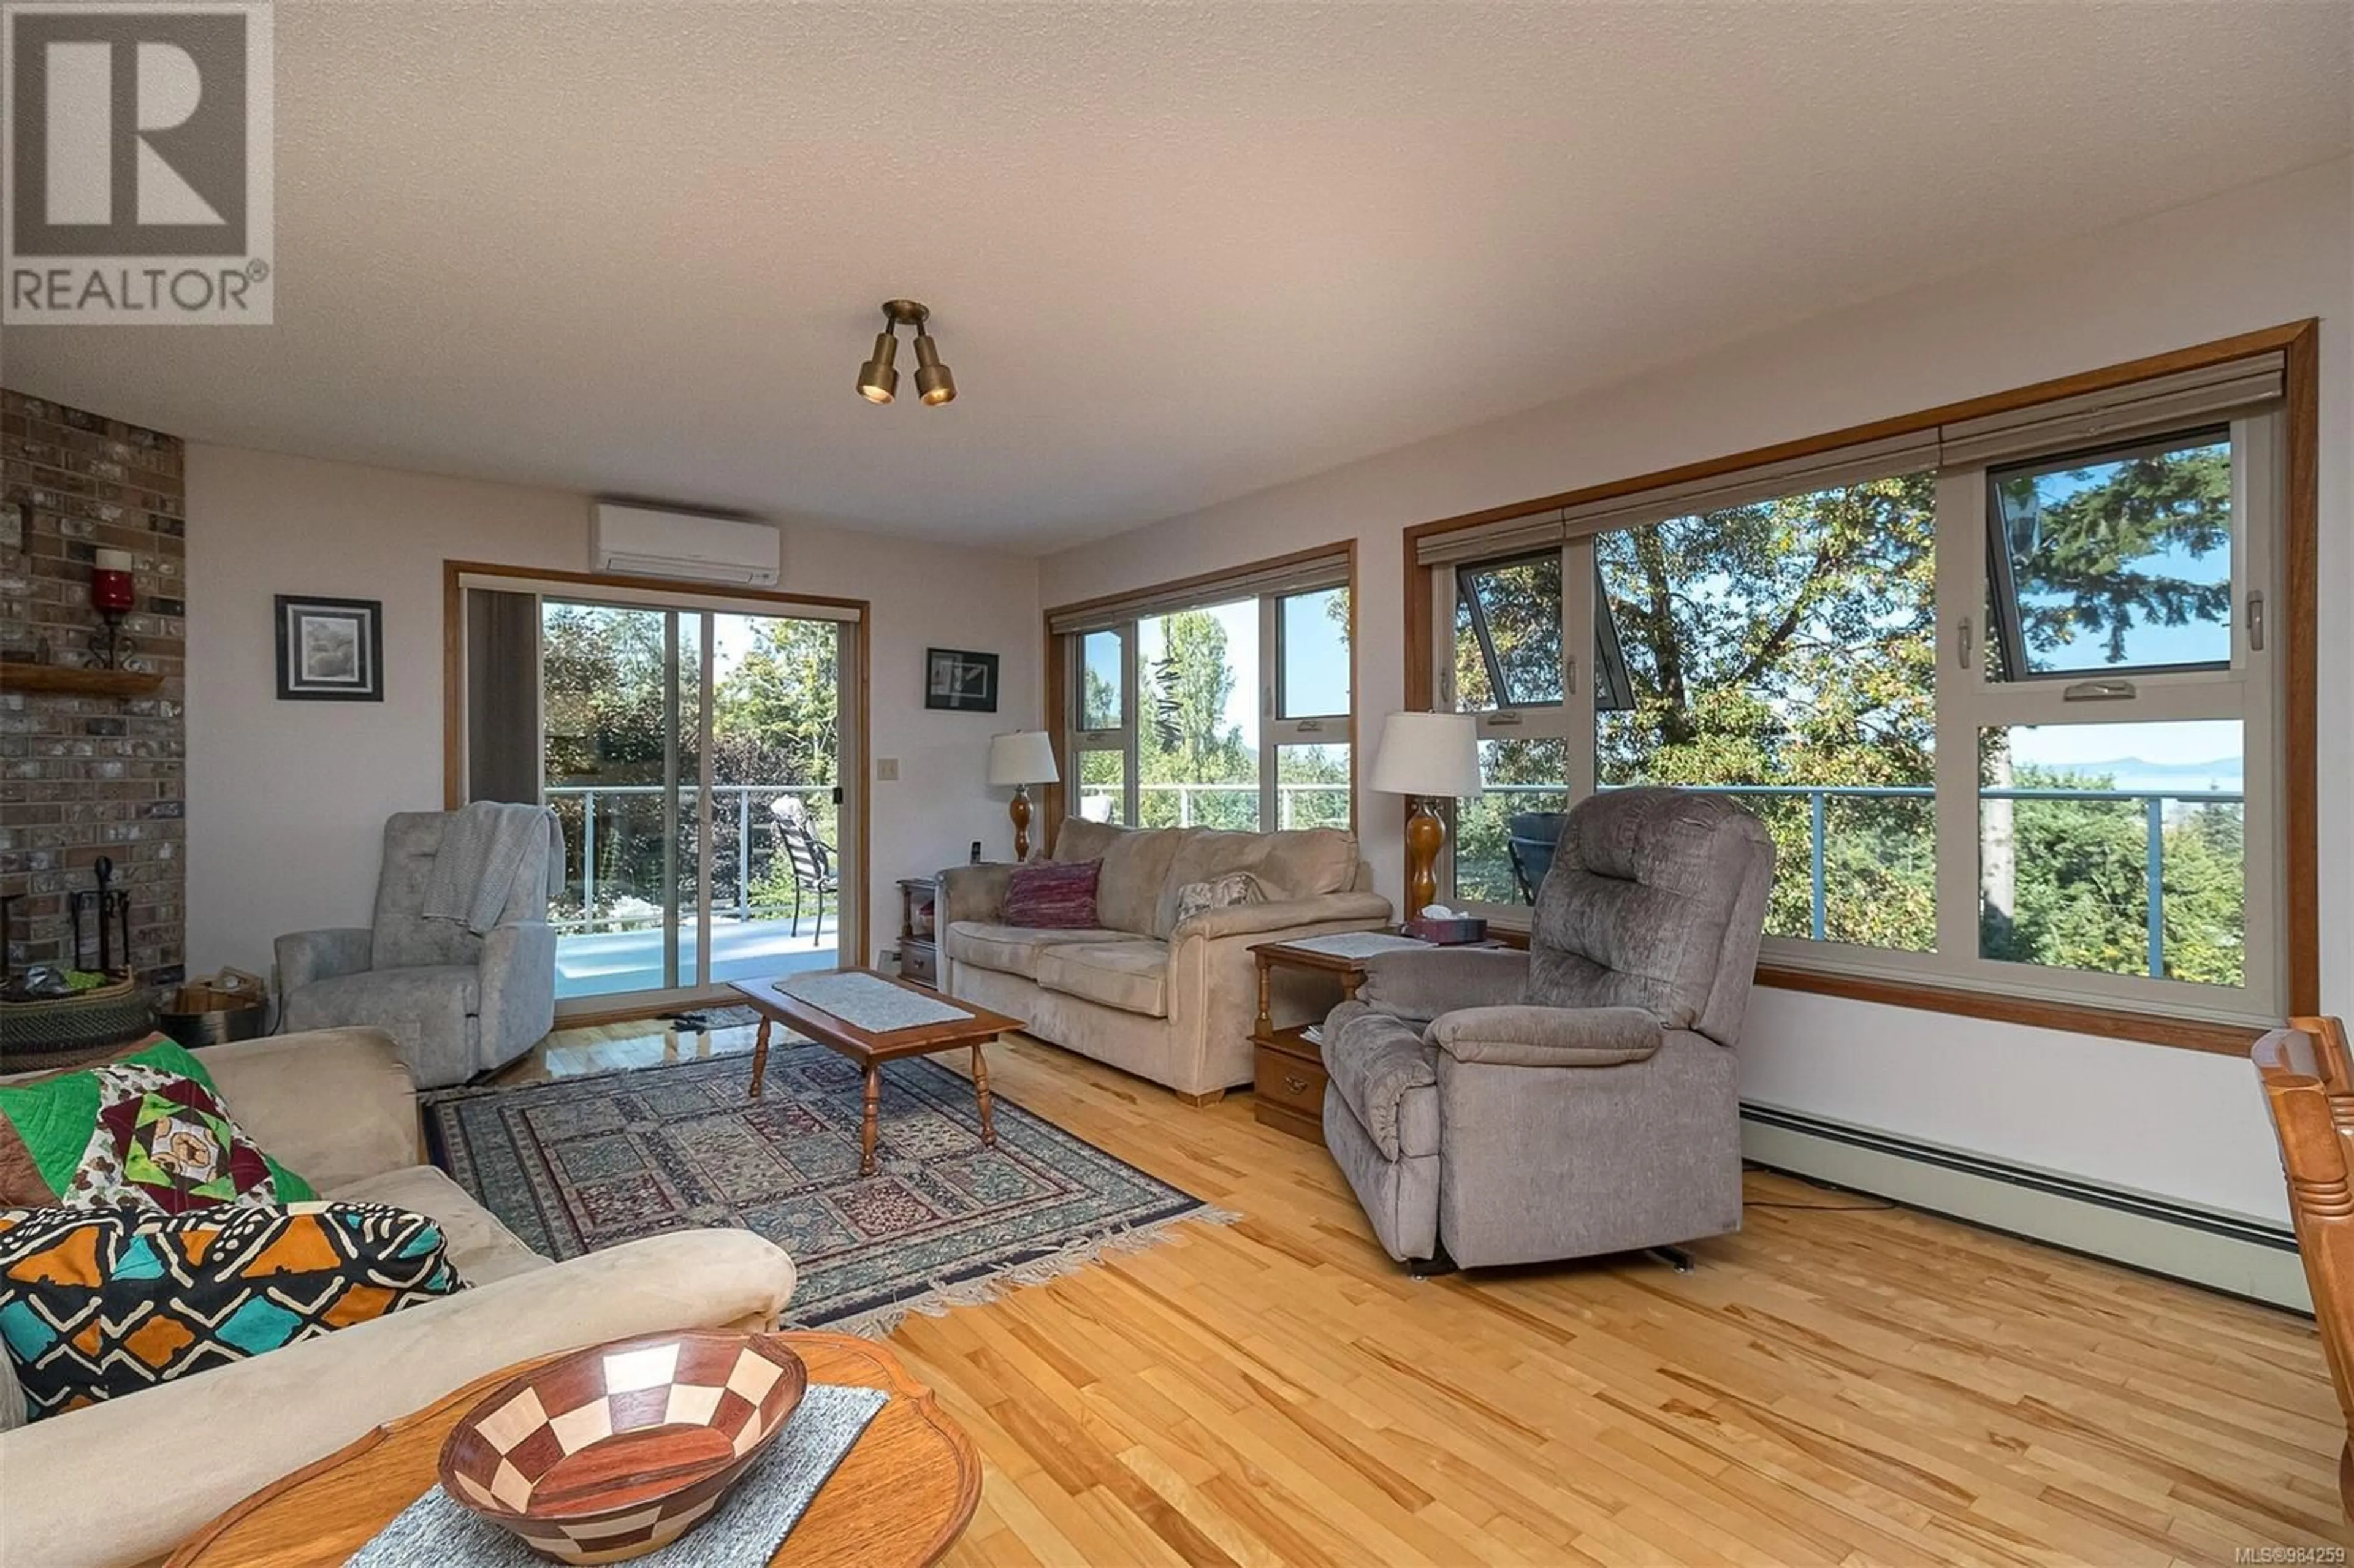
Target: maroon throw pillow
(1052, 895)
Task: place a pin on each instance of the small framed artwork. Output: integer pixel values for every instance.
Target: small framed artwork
(330, 650)
(956, 679)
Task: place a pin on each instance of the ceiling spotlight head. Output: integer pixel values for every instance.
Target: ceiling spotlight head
(876, 380)
(932, 378)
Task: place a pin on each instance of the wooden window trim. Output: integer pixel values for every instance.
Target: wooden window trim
(453, 685)
(1057, 649)
(2105, 1022)
(2300, 343)
(2073, 1018)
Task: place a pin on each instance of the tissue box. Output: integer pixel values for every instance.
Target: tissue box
(1450, 933)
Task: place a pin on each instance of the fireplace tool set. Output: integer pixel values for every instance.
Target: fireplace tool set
(100, 917)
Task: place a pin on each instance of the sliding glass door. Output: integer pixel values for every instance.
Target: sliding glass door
(620, 738)
(693, 757)
(773, 795)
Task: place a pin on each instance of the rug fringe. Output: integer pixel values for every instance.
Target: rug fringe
(939, 1299)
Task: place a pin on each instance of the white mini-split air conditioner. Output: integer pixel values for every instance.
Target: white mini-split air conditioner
(638, 542)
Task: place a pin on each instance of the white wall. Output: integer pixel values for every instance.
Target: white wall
(286, 801)
(2179, 1124)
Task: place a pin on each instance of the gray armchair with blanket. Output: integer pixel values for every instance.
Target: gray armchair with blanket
(459, 995)
(1495, 1106)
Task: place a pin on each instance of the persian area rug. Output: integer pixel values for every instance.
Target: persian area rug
(583, 1163)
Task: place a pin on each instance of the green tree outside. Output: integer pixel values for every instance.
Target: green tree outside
(775, 721)
(1792, 642)
(1183, 736)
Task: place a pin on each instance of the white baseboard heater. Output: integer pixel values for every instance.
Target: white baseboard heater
(2221, 1251)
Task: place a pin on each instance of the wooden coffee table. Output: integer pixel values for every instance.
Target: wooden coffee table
(871, 1048)
(902, 1496)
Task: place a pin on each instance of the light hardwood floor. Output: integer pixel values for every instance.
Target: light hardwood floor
(1836, 1383)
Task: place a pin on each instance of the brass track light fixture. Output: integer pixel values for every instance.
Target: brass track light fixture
(877, 381)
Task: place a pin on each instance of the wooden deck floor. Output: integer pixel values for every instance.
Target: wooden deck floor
(1838, 1383)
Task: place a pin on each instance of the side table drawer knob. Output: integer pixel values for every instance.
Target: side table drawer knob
(1294, 1083)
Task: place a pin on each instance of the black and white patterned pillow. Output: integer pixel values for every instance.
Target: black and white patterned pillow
(1224, 892)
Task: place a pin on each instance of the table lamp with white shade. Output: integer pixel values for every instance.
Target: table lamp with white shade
(1022, 759)
(1428, 757)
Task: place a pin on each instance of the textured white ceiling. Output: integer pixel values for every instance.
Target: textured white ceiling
(1176, 253)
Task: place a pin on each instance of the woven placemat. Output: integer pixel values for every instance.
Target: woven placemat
(743, 1532)
(1355, 944)
(868, 1002)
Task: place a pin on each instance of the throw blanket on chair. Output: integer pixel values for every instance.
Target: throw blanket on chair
(474, 870)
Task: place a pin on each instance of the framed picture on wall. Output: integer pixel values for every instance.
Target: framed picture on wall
(964, 682)
(330, 650)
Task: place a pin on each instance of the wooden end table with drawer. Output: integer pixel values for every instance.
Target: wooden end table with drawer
(1289, 1078)
(919, 930)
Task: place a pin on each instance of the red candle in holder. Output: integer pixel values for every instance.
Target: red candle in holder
(111, 594)
(110, 582)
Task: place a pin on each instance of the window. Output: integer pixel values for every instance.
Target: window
(2000, 692)
(1102, 737)
(1785, 650)
(2115, 848)
(1222, 709)
(1313, 634)
(1511, 626)
(1103, 681)
(2111, 562)
(1508, 634)
(2118, 732)
(1199, 745)
(1307, 729)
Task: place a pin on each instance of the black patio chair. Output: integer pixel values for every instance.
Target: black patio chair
(1531, 836)
(810, 857)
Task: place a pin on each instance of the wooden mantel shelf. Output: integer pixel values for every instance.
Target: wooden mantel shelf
(23, 675)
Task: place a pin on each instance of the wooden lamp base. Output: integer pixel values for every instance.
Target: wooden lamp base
(1425, 832)
(1020, 811)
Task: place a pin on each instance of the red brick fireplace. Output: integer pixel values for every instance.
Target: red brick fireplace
(85, 774)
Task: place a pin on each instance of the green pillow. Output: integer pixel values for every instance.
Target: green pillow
(146, 1130)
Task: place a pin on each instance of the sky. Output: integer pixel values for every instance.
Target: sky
(2212, 744)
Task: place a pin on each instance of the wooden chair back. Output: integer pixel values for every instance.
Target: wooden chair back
(2308, 1081)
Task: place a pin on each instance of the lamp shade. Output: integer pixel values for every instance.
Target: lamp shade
(1434, 755)
(1024, 757)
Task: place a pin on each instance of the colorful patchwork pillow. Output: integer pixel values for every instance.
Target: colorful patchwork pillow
(95, 1304)
(146, 1130)
(1235, 887)
(1058, 895)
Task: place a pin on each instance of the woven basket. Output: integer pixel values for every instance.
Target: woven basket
(59, 1031)
(232, 1005)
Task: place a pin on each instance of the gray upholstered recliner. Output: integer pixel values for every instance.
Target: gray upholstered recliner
(1494, 1107)
(455, 1003)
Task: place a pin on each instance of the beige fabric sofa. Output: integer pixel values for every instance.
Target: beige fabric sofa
(1168, 1001)
(123, 1481)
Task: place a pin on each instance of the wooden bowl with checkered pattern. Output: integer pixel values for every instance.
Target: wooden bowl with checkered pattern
(616, 1450)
